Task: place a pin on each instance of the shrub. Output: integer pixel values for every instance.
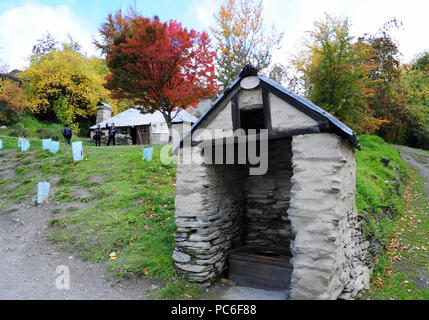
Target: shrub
(20, 131)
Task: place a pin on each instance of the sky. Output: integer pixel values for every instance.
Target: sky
(23, 22)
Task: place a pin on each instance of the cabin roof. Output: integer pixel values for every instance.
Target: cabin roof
(105, 105)
(331, 124)
(132, 117)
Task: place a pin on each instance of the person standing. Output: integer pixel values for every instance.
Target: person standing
(97, 136)
(67, 133)
(112, 133)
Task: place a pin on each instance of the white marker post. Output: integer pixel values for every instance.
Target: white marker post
(77, 150)
(42, 192)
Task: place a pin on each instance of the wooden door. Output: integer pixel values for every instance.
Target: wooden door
(144, 135)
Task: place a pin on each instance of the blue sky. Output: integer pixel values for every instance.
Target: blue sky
(91, 13)
(22, 22)
(94, 11)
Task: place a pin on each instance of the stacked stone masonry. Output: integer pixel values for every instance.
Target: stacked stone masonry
(267, 200)
(328, 249)
(221, 207)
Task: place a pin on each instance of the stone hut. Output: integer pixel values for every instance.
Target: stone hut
(104, 112)
(293, 228)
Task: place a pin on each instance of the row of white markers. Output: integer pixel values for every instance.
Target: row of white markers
(53, 147)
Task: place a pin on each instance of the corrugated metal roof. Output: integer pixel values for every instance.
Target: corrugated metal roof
(105, 105)
(133, 117)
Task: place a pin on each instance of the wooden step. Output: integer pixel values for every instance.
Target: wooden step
(266, 268)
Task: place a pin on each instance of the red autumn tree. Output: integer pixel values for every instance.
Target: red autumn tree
(12, 101)
(160, 66)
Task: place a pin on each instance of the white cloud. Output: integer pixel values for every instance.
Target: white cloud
(295, 17)
(21, 27)
(366, 16)
(203, 11)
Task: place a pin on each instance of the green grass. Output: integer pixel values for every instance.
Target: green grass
(31, 128)
(406, 259)
(128, 208)
(131, 213)
(379, 189)
(12, 143)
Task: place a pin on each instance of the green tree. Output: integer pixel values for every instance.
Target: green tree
(422, 62)
(415, 83)
(333, 71)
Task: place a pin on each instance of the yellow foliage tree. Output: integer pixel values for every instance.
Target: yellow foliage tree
(66, 86)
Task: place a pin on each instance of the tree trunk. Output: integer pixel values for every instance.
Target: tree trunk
(170, 131)
(166, 112)
(396, 135)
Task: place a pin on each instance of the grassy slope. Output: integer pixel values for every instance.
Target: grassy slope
(379, 189)
(130, 207)
(405, 260)
(399, 221)
(12, 143)
(131, 204)
(31, 128)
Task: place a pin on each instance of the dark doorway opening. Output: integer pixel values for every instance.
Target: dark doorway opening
(252, 119)
(133, 133)
(261, 251)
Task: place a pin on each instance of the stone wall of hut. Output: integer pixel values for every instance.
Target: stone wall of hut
(267, 199)
(329, 251)
(311, 210)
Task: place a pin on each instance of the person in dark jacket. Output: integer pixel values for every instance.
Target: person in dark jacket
(97, 136)
(67, 133)
(112, 133)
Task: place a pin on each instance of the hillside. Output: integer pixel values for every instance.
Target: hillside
(30, 127)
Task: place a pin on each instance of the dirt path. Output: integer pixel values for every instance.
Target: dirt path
(418, 160)
(28, 262)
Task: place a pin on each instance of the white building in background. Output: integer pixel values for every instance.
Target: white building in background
(148, 128)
